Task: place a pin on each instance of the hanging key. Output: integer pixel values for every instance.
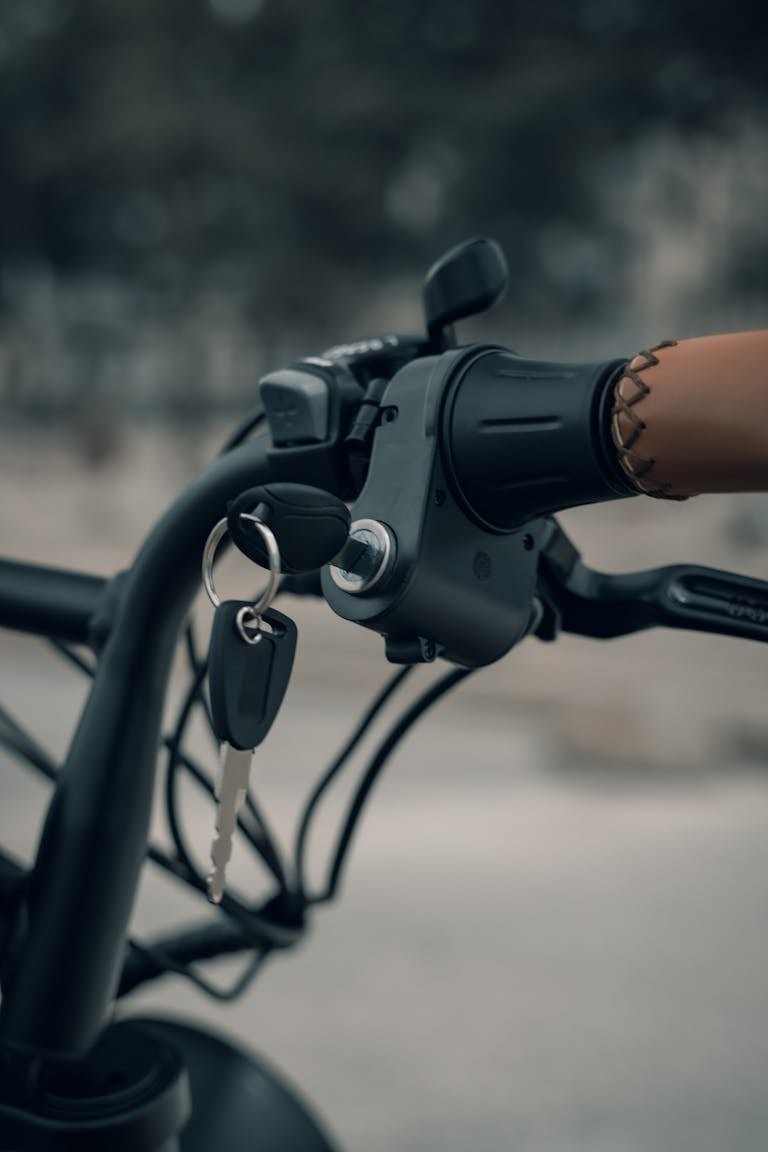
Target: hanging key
(249, 666)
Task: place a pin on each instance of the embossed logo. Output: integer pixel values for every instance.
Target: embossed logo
(482, 566)
(742, 608)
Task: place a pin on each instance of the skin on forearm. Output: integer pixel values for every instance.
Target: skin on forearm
(692, 416)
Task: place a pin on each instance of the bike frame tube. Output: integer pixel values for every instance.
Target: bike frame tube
(49, 601)
(63, 972)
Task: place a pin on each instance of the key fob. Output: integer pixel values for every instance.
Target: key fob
(247, 682)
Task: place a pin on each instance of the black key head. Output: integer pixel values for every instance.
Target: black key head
(310, 525)
(248, 681)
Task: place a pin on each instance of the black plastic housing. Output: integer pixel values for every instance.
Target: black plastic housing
(523, 438)
(455, 589)
(63, 967)
(130, 1093)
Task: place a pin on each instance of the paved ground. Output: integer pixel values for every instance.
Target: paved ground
(554, 931)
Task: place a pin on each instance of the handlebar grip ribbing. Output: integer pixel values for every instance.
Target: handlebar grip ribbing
(692, 416)
(523, 438)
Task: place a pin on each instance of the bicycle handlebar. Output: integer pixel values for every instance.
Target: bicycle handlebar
(464, 455)
(61, 976)
(49, 601)
(527, 438)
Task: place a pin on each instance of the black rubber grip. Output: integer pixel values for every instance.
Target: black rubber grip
(523, 438)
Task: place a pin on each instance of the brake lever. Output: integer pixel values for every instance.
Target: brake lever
(579, 599)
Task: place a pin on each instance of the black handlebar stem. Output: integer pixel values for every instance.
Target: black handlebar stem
(62, 974)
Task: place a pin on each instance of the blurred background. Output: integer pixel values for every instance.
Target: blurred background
(554, 933)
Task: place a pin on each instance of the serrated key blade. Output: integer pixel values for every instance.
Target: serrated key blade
(234, 773)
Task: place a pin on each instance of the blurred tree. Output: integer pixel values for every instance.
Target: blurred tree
(301, 150)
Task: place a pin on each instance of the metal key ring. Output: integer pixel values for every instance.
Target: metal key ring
(246, 613)
(273, 552)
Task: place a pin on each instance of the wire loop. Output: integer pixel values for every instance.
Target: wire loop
(215, 537)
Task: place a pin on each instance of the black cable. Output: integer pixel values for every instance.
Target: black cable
(173, 744)
(255, 930)
(158, 962)
(373, 710)
(258, 931)
(384, 751)
(195, 663)
(190, 646)
(169, 864)
(193, 944)
(251, 424)
(262, 844)
(247, 929)
(24, 746)
(74, 657)
(24, 753)
(21, 744)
